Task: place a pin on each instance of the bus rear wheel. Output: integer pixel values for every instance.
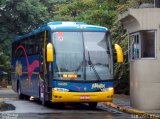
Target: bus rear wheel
(20, 95)
(92, 105)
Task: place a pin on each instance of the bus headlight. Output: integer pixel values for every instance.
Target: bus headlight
(61, 89)
(106, 89)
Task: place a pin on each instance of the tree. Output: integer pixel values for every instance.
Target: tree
(16, 18)
(99, 12)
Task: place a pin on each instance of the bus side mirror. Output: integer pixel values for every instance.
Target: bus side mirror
(50, 52)
(119, 53)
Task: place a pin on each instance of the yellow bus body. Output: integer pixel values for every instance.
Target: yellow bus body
(58, 96)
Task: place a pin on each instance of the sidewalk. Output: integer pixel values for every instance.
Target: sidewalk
(7, 93)
(122, 100)
(122, 103)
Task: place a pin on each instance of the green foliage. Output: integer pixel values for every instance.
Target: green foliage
(99, 12)
(131, 4)
(22, 16)
(16, 18)
(121, 71)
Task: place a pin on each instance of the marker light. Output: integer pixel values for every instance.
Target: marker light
(107, 89)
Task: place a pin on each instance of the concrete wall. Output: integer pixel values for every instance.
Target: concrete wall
(145, 84)
(144, 18)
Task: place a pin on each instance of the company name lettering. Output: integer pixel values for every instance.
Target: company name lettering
(96, 85)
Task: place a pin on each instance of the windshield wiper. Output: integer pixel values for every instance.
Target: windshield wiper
(78, 68)
(92, 66)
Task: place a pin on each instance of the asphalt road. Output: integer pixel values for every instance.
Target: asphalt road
(34, 110)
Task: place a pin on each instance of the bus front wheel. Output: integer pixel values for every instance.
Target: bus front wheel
(43, 99)
(92, 105)
(44, 103)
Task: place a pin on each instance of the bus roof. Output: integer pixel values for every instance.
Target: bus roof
(64, 26)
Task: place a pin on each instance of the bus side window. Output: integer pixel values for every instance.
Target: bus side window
(33, 45)
(41, 43)
(17, 52)
(40, 50)
(29, 46)
(36, 44)
(13, 50)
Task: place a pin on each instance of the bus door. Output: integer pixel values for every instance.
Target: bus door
(45, 69)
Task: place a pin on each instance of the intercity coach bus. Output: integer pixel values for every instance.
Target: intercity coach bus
(65, 62)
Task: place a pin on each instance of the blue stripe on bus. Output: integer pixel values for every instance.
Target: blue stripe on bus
(82, 87)
(78, 26)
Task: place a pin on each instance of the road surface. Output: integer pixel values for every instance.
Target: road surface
(34, 110)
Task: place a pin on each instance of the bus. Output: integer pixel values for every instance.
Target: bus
(63, 62)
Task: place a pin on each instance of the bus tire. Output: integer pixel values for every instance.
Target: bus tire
(44, 101)
(26, 97)
(20, 95)
(92, 105)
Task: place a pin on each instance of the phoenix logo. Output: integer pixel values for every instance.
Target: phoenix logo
(31, 67)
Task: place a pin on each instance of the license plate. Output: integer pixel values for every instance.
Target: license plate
(84, 97)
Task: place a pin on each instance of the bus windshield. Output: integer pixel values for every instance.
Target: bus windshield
(82, 56)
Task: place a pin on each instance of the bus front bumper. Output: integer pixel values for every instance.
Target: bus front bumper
(58, 96)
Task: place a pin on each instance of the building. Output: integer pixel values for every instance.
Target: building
(143, 26)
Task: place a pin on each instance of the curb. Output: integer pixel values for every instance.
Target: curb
(136, 113)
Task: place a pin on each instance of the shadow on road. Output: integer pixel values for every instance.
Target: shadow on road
(6, 106)
(68, 106)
